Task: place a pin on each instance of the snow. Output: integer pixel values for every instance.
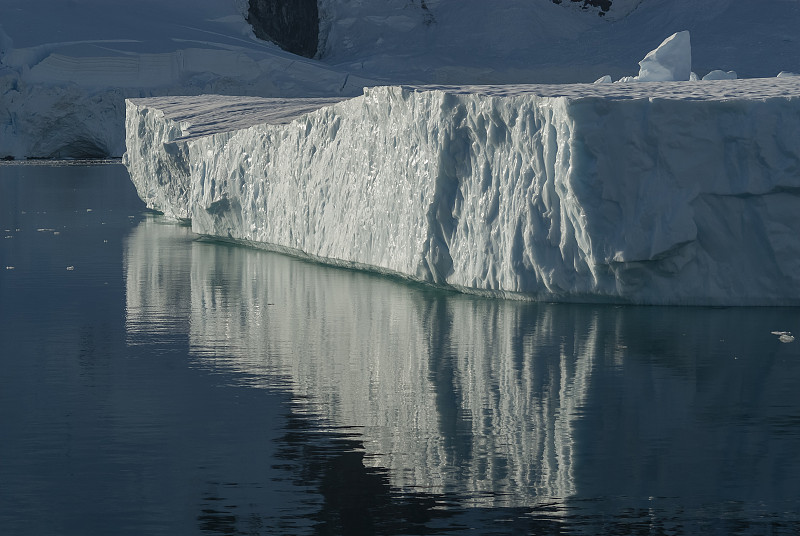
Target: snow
(525, 41)
(66, 67)
(658, 193)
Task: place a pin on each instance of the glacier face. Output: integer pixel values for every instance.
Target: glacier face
(660, 193)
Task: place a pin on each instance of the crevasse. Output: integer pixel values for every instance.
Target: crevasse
(658, 193)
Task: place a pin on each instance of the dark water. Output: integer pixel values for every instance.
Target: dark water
(154, 383)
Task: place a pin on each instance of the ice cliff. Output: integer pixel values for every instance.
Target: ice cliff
(659, 193)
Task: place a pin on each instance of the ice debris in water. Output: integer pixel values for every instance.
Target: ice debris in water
(784, 336)
(70, 268)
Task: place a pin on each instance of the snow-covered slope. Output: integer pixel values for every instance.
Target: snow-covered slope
(675, 192)
(67, 66)
(537, 41)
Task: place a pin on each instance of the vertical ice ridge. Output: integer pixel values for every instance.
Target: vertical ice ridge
(158, 163)
(441, 215)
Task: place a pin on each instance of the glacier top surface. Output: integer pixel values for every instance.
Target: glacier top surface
(206, 115)
(705, 90)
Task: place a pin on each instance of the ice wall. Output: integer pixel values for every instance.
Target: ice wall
(662, 193)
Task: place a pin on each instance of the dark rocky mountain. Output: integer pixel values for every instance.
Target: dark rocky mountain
(291, 24)
(603, 5)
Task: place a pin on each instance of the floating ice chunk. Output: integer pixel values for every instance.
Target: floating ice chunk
(603, 80)
(70, 268)
(671, 61)
(718, 74)
(784, 336)
(601, 192)
(786, 74)
(693, 77)
(9, 267)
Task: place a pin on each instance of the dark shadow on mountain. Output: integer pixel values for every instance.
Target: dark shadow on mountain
(293, 25)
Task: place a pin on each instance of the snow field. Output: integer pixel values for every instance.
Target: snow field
(609, 192)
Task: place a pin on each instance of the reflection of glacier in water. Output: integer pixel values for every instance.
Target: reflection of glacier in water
(661, 414)
(444, 389)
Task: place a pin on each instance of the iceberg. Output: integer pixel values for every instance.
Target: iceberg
(718, 74)
(660, 193)
(672, 60)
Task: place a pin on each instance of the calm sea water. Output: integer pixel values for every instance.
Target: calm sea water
(152, 382)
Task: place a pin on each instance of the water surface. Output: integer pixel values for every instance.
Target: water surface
(155, 382)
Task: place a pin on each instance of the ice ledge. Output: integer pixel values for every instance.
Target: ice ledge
(660, 193)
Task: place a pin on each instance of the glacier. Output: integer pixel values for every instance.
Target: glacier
(66, 68)
(654, 193)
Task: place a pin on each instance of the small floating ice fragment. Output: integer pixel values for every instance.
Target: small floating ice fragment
(70, 268)
(718, 74)
(784, 336)
(9, 267)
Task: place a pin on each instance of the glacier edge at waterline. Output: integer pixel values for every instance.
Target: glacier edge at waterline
(655, 193)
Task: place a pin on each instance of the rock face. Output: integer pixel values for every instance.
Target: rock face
(291, 24)
(660, 193)
(604, 5)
